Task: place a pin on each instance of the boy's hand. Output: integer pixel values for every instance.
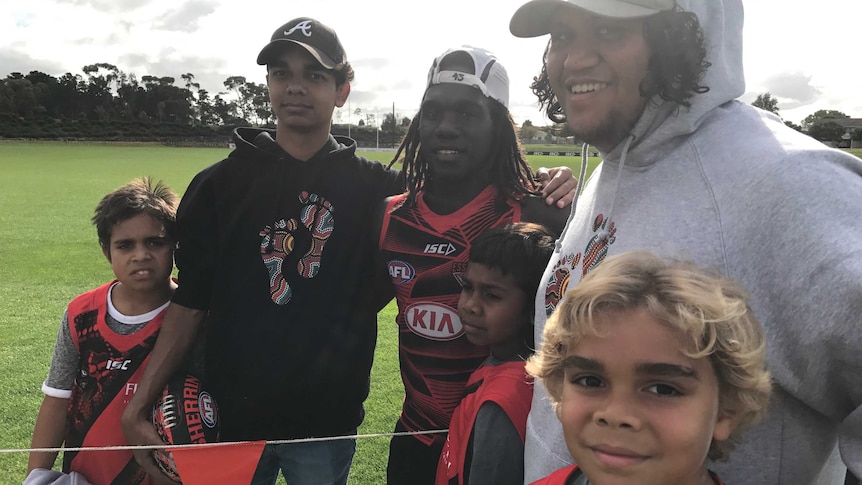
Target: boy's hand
(139, 430)
(558, 185)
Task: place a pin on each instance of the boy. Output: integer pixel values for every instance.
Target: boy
(652, 367)
(106, 336)
(270, 255)
(465, 172)
(486, 433)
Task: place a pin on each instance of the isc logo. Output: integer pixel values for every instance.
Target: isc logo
(433, 321)
(118, 364)
(400, 272)
(442, 248)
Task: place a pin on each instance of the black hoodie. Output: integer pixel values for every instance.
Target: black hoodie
(279, 251)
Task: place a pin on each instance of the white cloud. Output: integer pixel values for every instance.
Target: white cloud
(802, 55)
(186, 17)
(107, 5)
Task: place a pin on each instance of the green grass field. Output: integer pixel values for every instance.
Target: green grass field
(49, 254)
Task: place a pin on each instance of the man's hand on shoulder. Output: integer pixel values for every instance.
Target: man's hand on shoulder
(559, 185)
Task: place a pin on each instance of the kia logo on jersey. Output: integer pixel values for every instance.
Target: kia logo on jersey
(433, 321)
(401, 272)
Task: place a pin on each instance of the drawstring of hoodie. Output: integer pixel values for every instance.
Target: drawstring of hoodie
(580, 184)
(605, 232)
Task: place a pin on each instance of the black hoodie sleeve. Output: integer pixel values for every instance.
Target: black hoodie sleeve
(196, 253)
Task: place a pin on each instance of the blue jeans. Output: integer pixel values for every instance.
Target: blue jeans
(311, 463)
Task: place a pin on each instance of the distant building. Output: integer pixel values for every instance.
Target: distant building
(850, 125)
(541, 136)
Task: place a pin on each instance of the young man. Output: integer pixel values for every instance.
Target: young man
(689, 172)
(465, 173)
(268, 256)
(276, 256)
(652, 366)
(485, 443)
(106, 337)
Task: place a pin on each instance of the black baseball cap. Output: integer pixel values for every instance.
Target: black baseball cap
(317, 38)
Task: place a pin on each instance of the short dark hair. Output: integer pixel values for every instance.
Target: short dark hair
(136, 197)
(676, 67)
(520, 249)
(343, 73)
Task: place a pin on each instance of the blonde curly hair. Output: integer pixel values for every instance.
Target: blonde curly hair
(710, 310)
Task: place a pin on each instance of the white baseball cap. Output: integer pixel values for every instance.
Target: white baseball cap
(486, 74)
(532, 19)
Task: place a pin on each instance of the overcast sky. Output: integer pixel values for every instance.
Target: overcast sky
(805, 53)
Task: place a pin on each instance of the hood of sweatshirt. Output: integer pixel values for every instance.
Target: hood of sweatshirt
(662, 121)
(652, 136)
(260, 142)
(258, 146)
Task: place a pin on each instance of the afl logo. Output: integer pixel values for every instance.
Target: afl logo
(209, 413)
(433, 321)
(400, 272)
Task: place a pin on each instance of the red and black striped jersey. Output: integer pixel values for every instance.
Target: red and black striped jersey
(110, 367)
(425, 253)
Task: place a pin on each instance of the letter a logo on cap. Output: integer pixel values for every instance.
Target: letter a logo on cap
(304, 26)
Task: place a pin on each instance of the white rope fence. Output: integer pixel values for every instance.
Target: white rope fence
(220, 443)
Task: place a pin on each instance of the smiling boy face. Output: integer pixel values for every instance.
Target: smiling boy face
(456, 128)
(635, 409)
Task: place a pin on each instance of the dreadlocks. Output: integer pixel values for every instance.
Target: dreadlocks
(512, 176)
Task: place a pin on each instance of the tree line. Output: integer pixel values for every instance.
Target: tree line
(108, 103)
(820, 125)
(105, 93)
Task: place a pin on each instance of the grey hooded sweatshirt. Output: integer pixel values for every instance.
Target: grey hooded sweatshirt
(727, 185)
